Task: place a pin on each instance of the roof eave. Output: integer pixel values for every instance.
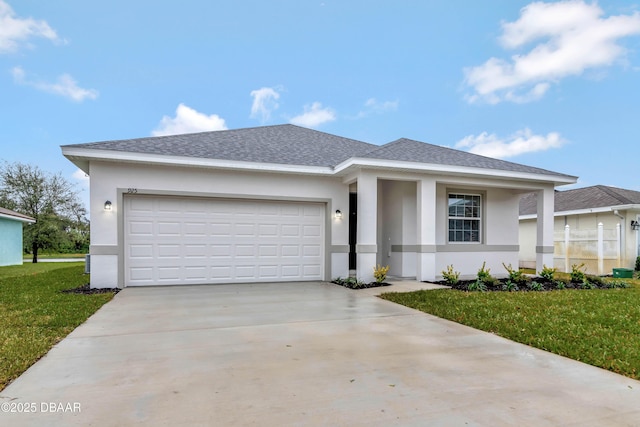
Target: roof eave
(28, 220)
(601, 209)
(355, 162)
(82, 157)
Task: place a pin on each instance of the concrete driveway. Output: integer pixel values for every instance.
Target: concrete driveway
(302, 354)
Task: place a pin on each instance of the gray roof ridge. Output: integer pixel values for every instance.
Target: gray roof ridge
(282, 125)
(613, 192)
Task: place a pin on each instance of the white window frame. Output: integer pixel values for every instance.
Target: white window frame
(479, 218)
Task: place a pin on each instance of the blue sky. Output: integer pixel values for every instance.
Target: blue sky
(548, 84)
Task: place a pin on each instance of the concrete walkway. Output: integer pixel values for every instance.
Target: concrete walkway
(303, 354)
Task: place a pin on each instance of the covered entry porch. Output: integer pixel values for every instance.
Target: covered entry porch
(418, 224)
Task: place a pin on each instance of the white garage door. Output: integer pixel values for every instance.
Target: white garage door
(188, 240)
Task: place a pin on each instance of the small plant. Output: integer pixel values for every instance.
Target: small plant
(637, 264)
(577, 274)
(380, 273)
(615, 284)
(595, 280)
(477, 286)
(350, 282)
(484, 276)
(535, 286)
(587, 285)
(547, 272)
(450, 276)
(510, 286)
(560, 284)
(516, 276)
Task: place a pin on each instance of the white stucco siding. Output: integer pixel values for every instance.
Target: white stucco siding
(110, 181)
(499, 242)
(501, 217)
(397, 226)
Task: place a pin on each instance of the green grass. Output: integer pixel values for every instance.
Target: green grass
(598, 327)
(35, 315)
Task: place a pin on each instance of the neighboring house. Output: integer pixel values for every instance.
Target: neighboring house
(579, 215)
(11, 236)
(285, 203)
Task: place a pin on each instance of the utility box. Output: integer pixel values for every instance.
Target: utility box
(623, 273)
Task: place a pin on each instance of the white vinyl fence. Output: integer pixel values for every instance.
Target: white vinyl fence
(598, 250)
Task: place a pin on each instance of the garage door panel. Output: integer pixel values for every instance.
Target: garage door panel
(141, 228)
(172, 240)
(221, 229)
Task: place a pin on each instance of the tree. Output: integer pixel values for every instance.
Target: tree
(48, 198)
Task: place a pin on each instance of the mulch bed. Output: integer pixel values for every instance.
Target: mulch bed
(352, 285)
(87, 290)
(542, 285)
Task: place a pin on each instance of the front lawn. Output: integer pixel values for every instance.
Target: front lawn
(35, 314)
(600, 327)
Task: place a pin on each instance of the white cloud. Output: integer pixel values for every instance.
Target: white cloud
(521, 142)
(372, 105)
(314, 115)
(14, 30)
(65, 86)
(81, 177)
(381, 106)
(188, 120)
(566, 38)
(264, 102)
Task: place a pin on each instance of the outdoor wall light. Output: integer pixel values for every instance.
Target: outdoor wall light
(107, 205)
(635, 225)
(338, 214)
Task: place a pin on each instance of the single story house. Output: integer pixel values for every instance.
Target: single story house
(11, 236)
(581, 215)
(285, 203)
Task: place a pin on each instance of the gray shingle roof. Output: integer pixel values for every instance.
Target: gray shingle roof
(294, 145)
(415, 151)
(280, 144)
(597, 196)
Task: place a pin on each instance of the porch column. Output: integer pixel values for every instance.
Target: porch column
(367, 228)
(426, 228)
(544, 243)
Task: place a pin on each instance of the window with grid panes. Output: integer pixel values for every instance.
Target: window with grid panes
(465, 214)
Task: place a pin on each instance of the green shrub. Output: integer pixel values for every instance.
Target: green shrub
(577, 274)
(477, 286)
(535, 286)
(616, 283)
(637, 264)
(516, 276)
(484, 276)
(586, 284)
(560, 284)
(547, 272)
(450, 276)
(510, 286)
(595, 280)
